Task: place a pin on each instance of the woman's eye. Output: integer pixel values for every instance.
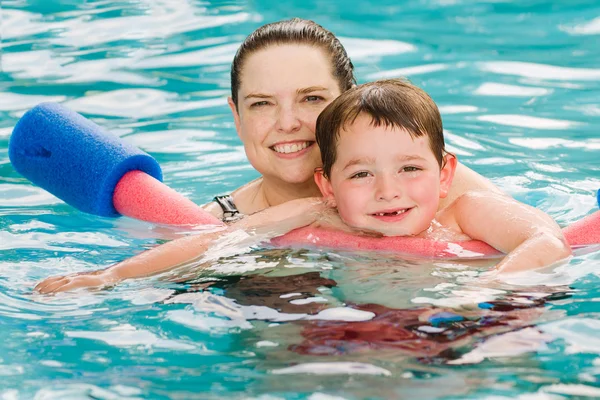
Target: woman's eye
(313, 99)
(410, 169)
(362, 174)
(259, 104)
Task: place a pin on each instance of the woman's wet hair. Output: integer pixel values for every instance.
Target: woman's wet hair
(294, 31)
(393, 103)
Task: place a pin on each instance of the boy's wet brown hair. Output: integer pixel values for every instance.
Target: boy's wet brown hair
(393, 103)
(294, 31)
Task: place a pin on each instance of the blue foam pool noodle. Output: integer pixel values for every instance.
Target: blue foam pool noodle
(74, 158)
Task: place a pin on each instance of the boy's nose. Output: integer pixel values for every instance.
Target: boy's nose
(287, 119)
(387, 189)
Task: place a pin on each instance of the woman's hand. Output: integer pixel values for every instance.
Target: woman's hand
(94, 279)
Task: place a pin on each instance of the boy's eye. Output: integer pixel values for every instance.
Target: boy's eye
(259, 104)
(361, 174)
(410, 169)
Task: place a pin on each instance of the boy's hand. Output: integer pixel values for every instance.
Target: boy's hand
(95, 279)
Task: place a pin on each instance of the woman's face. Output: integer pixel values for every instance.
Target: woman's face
(283, 89)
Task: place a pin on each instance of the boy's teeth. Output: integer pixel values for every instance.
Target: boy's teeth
(392, 213)
(290, 147)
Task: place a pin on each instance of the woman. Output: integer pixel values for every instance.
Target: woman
(282, 76)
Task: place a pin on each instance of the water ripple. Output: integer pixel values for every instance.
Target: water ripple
(12, 195)
(500, 89)
(360, 48)
(138, 103)
(408, 71)
(160, 20)
(540, 71)
(526, 121)
(17, 102)
(40, 240)
(129, 336)
(588, 28)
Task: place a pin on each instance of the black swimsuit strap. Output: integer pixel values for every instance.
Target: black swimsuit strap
(230, 211)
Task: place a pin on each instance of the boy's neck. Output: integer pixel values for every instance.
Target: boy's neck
(278, 192)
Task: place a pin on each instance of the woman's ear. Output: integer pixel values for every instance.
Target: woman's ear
(447, 174)
(324, 186)
(236, 114)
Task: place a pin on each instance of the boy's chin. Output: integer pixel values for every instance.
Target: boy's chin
(392, 231)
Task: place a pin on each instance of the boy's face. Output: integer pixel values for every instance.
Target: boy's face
(385, 181)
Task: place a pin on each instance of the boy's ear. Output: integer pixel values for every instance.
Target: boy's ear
(324, 186)
(447, 174)
(236, 115)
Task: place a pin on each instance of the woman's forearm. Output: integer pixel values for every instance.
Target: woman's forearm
(265, 225)
(162, 258)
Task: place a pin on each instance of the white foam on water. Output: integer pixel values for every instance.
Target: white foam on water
(309, 300)
(580, 334)
(266, 343)
(573, 390)
(86, 391)
(288, 295)
(510, 344)
(129, 336)
(205, 323)
(458, 298)
(147, 296)
(459, 251)
(343, 314)
(333, 368)
(323, 396)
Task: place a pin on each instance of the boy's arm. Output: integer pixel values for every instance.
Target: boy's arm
(529, 237)
(271, 222)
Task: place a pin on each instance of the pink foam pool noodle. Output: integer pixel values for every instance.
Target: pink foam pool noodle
(581, 233)
(584, 232)
(140, 196)
(397, 244)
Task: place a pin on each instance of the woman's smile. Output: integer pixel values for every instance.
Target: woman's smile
(292, 149)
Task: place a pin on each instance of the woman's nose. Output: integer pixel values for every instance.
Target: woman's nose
(288, 120)
(386, 189)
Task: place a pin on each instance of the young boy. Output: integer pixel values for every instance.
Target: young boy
(385, 169)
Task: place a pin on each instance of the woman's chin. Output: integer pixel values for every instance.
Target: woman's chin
(300, 179)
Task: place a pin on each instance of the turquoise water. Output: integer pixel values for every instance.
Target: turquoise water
(517, 84)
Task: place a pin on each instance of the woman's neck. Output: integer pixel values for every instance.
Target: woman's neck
(275, 193)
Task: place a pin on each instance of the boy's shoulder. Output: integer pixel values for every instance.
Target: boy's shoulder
(468, 204)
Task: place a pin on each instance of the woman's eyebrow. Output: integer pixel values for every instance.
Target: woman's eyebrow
(311, 89)
(257, 95)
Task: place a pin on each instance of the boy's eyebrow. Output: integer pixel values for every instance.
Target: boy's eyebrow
(409, 157)
(355, 161)
(370, 160)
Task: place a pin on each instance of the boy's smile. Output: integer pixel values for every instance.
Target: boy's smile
(383, 180)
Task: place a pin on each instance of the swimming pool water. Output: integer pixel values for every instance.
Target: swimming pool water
(517, 83)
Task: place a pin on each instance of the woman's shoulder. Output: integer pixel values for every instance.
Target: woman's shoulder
(245, 199)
